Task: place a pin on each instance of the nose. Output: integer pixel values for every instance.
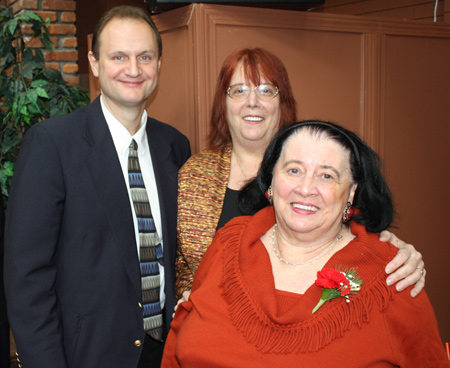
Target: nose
(133, 69)
(306, 186)
(252, 99)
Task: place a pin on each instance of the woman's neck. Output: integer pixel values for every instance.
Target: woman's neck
(244, 165)
(299, 249)
(309, 258)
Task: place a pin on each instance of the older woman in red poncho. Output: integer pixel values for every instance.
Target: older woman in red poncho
(297, 284)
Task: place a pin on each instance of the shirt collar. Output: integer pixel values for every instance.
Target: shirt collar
(121, 136)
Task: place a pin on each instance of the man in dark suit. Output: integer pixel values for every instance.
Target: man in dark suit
(73, 245)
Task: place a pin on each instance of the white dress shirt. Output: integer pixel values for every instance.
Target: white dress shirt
(122, 139)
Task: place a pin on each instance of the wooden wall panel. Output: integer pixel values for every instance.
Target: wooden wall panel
(417, 154)
(175, 96)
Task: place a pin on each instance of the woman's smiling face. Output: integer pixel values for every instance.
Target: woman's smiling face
(311, 184)
(252, 120)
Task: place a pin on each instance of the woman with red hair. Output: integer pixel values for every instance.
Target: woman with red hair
(252, 102)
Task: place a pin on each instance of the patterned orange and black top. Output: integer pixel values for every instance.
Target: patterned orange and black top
(202, 183)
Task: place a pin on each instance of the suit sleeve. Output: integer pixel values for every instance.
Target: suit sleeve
(414, 334)
(33, 222)
(187, 151)
(180, 147)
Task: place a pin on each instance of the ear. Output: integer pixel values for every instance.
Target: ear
(159, 65)
(94, 63)
(352, 193)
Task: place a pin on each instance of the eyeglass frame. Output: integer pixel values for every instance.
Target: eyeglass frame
(252, 89)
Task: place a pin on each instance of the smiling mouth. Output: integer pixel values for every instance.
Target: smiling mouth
(253, 118)
(132, 82)
(306, 208)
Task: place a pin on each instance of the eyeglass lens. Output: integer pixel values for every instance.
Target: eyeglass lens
(242, 91)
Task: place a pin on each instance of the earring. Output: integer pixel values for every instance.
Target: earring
(268, 194)
(348, 213)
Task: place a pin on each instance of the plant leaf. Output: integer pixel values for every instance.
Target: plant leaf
(48, 44)
(32, 95)
(39, 83)
(10, 139)
(12, 25)
(29, 91)
(33, 108)
(41, 92)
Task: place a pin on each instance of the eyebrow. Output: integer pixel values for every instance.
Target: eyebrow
(328, 167)
(149, 52)
(125, 52)
(332, 169)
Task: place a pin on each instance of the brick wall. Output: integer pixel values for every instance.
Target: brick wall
(62, 33)
(421, 10)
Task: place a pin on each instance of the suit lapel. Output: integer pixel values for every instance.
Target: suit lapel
(106, 172)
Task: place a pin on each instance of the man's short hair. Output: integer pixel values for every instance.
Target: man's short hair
(123, 12)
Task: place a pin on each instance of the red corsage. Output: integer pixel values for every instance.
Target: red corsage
(336, 283)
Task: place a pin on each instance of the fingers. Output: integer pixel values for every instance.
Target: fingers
(404, 279)
(387, 236)
(184, 298)
(405, 263)
(406, 256)
(420, 284)
(409, 270)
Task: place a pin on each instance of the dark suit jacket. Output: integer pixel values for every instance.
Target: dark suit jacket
(72, 271)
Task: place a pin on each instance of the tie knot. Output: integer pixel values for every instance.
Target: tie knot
(133, 145)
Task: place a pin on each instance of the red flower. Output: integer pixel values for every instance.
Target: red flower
(329, 278)
(335, 284)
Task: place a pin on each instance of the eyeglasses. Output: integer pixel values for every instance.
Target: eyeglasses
(241, 91)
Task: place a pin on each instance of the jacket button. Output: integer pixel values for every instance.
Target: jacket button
(138, 343)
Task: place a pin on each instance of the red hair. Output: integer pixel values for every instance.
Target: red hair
(257, 63)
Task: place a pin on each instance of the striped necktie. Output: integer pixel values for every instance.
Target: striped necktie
(150, 249)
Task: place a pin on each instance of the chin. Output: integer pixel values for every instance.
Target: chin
(303, 227)
(255, 136)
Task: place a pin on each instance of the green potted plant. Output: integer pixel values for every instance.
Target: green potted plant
(29, 92)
